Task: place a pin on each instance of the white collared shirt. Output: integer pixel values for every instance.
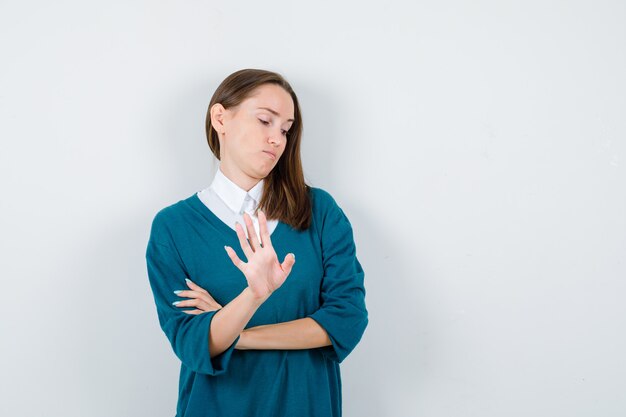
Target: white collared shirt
(228, 202)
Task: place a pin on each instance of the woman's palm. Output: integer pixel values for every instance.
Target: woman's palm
(264, 273)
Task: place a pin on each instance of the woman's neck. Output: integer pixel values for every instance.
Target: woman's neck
(242, 180)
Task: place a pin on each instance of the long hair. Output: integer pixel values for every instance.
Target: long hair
(285, 194)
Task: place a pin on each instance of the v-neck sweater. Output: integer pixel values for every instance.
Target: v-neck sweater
(326, 284)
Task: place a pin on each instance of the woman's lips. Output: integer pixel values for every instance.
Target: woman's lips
(270, 154)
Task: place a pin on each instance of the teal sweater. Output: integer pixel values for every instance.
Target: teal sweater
(326, 284)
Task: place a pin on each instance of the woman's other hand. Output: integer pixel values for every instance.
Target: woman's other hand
(262, 271)
(198, 297)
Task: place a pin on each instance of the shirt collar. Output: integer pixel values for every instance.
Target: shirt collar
(232, 194)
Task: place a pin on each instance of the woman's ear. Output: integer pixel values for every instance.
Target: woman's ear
(218, 113)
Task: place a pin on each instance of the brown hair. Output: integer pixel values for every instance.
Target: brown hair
(285, 194)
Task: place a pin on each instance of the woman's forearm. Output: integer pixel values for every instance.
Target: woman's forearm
(303, 333)
(229, 321)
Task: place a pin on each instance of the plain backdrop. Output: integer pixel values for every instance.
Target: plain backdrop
(477, 147)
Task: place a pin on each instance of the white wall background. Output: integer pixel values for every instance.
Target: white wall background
(477, 147)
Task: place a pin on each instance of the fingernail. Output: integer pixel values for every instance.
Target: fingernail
(294, 255)
(176, 302)
(188, 280)
(178, 292)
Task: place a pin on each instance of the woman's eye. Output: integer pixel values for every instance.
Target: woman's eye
(284, 132)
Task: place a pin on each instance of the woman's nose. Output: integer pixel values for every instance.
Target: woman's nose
(276, 137)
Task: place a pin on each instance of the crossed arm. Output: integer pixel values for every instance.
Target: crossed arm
(231, 319)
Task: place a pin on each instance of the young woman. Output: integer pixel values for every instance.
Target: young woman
(258, 337)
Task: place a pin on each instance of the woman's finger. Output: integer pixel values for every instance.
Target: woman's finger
(288, 263)
(243, 242)
(265, 234)
(196, 311)
(192, 302)
(233, 257)
(252, 237)
(194, 286)
(195, 294)
(189, 293)
(196, 302)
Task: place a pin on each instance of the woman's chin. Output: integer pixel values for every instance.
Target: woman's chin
(264, 170)
(268, 165)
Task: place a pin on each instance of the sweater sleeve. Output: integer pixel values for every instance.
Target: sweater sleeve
(342, 313)
(188, 333)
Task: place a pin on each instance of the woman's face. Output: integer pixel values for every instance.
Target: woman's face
(253, 131)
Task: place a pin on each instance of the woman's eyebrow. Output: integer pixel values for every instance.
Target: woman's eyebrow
(274, 112)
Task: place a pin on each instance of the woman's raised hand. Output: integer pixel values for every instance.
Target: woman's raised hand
(262, 271)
